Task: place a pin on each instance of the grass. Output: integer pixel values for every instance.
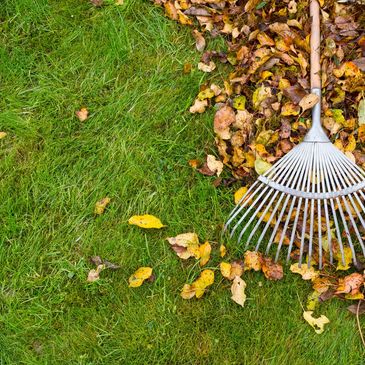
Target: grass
(125, 64)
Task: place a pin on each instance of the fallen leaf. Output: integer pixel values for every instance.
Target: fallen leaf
(350, 284)
(353, 308)
(223, 118)
(316, 323)
(198, 287)
(222, 250)
(94, 273)
(97, 3)
(198, 106)
(239, 102)
(194, 163)
(206, 67)
(146, 221)
(271, 270)
(252, 261)
(212, 166)
(101, 205)
(82, 114)
(204, 250)
(3, 135)
(312, 300)
(238, 291)
(185, 245)
(321, 285)
(97, 260)
(137, 279)
(347, 253)
(238, 195)
(306, 273)
(361, 112)
(199, 39)
(262, 166)
(225, 268)
(309, 101)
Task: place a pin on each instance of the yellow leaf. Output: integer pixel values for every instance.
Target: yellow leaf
(225, 268)
(239, 102)
(316, 323)
(252, 261)
(239, 194)
(187, 292)
(351, 145)
(146, 221)
(82, 114)
(238, 291)
(185, 245)
(206, 279)
(348, 259)
(222, 250)
(101, 205)
(206, 94)
(321, 285)
(261, 166)
(94, 274)
(289, 109)
(204, 250)
(357, 296)
(139, 277)
(304, 271)
(312, 300)
(3, 135)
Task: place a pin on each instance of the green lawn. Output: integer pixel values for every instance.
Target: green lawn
(125, 64)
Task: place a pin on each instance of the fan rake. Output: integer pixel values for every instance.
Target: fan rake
(312, 198)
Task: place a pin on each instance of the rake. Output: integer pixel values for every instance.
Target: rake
(312, 198)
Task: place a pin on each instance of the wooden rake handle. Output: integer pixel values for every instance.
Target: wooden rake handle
(315, 45)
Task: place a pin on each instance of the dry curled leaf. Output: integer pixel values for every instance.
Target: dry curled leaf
(271, 270)
(94, 273)
(307, 273)
(316, 323)
(350, 284)
(308, 101)
(82, 114)
(146, 221)
(198, 106)
(252, 261)
(137, 279)
(238, 291)
(185, 245)
(199, 39)
(206, 67)
(101, 205)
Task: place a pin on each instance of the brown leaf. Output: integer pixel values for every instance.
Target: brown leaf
(295, 93)
(354, 308)
(223, 118)
(199, 39)
(271, 270)
(309, 101)
(350, 284)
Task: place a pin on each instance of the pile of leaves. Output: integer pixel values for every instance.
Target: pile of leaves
(263, 107)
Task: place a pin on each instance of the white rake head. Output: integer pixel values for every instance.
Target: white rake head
(311, 192)
(312, 198)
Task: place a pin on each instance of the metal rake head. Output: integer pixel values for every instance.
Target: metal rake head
(311, 199)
